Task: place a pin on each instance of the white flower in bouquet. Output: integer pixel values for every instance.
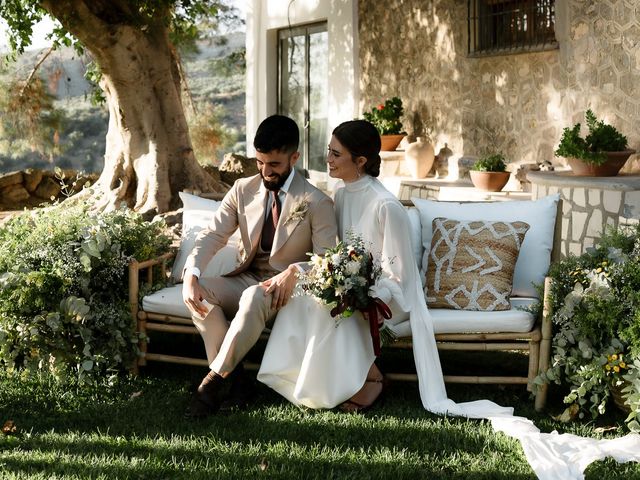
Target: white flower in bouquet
(342, 280)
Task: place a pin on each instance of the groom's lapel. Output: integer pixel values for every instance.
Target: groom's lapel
(254, 214)
(286, 225)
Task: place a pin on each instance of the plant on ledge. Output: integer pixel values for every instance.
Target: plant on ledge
(596, 318)
(386, 116)
(490, 163)
(490, 173)
(592, 149)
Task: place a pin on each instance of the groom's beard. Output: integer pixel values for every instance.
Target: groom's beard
(276, 184)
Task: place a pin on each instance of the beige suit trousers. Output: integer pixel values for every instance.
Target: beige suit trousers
(243, 300)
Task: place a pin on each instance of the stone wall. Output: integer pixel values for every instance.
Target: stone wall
(517, 104)
(589, 205)
(33, 187)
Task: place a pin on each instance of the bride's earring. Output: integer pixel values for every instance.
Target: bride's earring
(358, 170)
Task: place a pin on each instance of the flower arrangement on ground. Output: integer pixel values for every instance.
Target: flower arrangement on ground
(342, 279)
(386, 116)
(596, 316)
(63, 290)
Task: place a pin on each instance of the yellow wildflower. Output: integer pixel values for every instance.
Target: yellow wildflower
(616, 368)
(608, 367)
(623, 365)
(614, 357)
(599, 270)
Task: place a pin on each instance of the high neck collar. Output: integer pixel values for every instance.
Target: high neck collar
(358, 184)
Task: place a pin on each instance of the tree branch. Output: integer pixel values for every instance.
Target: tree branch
(35, 69)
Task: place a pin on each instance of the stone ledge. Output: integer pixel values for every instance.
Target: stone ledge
(567, 179)
(454, 190)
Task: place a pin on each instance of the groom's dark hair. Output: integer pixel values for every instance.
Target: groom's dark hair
(279, 133)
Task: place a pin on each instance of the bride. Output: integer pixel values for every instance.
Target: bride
(310, 359)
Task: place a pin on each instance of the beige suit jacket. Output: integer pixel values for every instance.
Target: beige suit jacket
(307, 224)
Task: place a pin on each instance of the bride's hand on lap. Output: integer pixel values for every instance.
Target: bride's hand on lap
(281, 286)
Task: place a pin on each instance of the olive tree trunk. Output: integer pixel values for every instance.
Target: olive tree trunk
(148, 157)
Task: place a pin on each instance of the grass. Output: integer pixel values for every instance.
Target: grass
(136, 430)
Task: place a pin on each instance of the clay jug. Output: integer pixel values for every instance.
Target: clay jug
(418, 157)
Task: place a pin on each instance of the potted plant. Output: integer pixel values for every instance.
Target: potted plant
(386, 118)
(595, 308)
(602, 153)
(490, 173)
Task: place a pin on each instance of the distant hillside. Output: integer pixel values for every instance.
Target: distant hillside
(83, 136)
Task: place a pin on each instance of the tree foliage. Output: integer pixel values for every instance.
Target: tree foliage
(181, 17)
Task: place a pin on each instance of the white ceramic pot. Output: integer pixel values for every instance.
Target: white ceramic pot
(418, 157)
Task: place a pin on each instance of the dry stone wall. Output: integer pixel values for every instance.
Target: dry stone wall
(33, 187)
(517, 104)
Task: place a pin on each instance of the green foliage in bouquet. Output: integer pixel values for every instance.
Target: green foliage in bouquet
(342, 279)
(63, 290)
(601, 138)
(386, 116)
(343, 276)
(596, 317)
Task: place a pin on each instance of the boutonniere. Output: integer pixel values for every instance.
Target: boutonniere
(298, 211)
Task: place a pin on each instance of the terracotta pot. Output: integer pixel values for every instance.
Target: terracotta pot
(489, 181)
(615, 161)
(418, 157)
(390, 142)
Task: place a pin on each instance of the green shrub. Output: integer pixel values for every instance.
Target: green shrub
(596, 318)
(63, 289)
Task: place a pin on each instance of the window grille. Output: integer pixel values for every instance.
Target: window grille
(510, 26)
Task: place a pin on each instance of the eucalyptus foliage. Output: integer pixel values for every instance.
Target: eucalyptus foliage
(596, 319)
(63, 289)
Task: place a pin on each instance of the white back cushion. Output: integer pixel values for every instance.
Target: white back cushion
(535, 254)
(196, 215)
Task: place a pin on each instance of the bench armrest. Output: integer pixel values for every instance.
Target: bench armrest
(135, 268)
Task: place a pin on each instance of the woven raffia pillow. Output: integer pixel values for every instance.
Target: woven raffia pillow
(471, 263)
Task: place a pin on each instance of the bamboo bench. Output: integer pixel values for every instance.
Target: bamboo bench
(536, 342)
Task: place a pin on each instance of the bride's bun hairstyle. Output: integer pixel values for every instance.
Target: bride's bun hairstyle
(361, 139)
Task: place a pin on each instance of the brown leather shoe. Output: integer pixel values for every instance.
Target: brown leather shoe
(208, 397)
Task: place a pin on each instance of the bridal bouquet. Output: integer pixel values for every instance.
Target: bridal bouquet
(342, 279)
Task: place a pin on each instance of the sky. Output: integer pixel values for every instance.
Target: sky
(43, 28)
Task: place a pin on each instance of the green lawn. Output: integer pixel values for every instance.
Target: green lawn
(137, 431)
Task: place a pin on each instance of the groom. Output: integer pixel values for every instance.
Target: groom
(281, 217)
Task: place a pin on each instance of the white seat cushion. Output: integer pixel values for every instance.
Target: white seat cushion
(535, 253)
(167, 301)
(463, 321)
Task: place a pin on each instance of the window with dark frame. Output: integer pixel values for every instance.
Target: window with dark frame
(510, 26)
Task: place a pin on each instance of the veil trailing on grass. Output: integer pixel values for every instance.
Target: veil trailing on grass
(551, 455)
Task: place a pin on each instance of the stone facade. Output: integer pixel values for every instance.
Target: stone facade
(589, 205)
(517, 104)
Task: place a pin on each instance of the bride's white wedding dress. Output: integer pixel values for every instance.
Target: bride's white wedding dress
(319, 361)
(312, 362)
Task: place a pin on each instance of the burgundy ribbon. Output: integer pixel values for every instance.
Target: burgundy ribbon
(376, 307)
(377, 311)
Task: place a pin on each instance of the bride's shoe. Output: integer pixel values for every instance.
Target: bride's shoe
(366, 397)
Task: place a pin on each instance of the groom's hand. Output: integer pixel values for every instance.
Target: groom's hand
(192, 295)
(281, 286)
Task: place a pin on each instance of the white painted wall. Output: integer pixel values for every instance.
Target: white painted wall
(264, 18)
